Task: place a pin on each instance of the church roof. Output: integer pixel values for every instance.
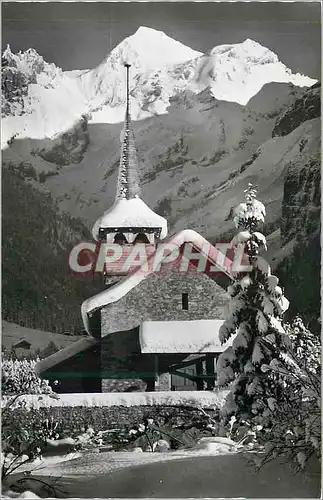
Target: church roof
(64, 354)
(194, 336)
(22, 343)
(130, 213)
(116, 292)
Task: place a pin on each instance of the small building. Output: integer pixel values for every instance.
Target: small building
(22, 344)
(156, 324)
(21, 348)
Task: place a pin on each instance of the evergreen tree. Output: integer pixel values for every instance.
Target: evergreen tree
(255, 315)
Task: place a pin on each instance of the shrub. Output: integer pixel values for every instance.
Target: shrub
(149, 434)
(19, 377)
(296, 418)
(111, 425)
(292, 427)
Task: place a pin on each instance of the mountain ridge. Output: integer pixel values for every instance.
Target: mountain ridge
(53, 100)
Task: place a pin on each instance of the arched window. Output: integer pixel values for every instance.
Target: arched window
(141, 238)
(120, 239)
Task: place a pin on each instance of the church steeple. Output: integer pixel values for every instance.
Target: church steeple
(129, 221)
(128, 181)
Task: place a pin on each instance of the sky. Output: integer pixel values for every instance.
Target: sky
(78, 35)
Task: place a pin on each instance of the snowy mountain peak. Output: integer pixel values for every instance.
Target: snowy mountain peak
(237, 72)
(144, 31)
(249, 50)
(52, 101)
(149, 48)
(32, 67)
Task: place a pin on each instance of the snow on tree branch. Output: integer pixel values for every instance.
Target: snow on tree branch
(255, 315)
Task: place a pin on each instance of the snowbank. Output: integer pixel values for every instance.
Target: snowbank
(25, 494)
(204, 399)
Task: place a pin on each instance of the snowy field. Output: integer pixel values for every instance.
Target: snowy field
(187, 474)
(39, 339)
(204, 399)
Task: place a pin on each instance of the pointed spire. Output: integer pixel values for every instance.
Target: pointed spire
(128, 183)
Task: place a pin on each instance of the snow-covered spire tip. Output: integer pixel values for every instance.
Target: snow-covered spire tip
(127, 66)
(128, 183)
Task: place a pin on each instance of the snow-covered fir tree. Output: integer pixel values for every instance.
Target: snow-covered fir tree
(255, 315)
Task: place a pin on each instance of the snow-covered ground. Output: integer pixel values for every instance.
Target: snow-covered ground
(113, 460)
(193, 474)
(77, 466)
(26, 494)
(204, 399)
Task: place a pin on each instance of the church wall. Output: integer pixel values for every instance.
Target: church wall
(121, 357)
(124, 367)
(118, 356)
(159, 298)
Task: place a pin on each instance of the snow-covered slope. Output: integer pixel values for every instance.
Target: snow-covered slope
(238, 72)
(153, 57)
(194, 161)
(40, 100)
(12, 333)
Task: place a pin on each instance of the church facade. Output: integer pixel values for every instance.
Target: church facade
(155, 327)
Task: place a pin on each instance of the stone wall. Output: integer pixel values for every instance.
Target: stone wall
(159, 298)
(117, 417)
(163, 382)
(123, 385)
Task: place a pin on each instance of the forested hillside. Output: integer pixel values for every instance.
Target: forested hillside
(38, 290)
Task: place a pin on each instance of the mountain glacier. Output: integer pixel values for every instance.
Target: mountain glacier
(236, 73)
(39, 100)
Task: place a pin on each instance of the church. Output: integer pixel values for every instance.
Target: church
(155, 326)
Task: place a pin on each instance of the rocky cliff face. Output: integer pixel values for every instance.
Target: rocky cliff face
(301, 205)
(69, 147)
(18, 73)
(300, 221)
(14, 88)
(307, 107)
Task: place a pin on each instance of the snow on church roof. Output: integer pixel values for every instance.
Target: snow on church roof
(196, 336)
(64, 354)
(133, 213)
(124, 286)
